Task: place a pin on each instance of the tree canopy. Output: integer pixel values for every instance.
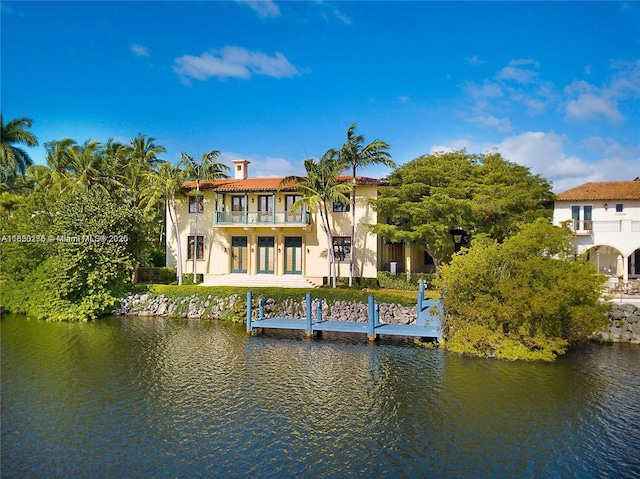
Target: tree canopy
(432, 195)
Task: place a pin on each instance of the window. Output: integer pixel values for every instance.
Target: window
(619, 207)
(200, 247)
(342, 248)
(196, 204)
(340, 207)
(292, 216)
(581, 216)
(238, 206)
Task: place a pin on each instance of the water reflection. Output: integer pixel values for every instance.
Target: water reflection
(158, 397)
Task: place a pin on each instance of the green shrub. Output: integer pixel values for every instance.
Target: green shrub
(187, 279)
(399, 281)
(520, 299)
(155, 275)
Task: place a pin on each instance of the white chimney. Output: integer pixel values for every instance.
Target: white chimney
(240, 169)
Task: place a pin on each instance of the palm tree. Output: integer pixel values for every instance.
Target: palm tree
(357, 155)
(163, 185)
(135, 160)
(89, 170)
(206, 169)
(319, 189)
(13, 159)
(53, 177)
(143, 149)
(16, 132)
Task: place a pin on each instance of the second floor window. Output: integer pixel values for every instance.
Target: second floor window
(340, 207)
(619, 207)
(196, 204)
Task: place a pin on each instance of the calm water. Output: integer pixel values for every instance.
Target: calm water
(173, 398)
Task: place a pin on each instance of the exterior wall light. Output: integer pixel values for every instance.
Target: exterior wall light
(606, 206)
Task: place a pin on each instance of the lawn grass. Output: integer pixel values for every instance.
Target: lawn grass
(404, 298)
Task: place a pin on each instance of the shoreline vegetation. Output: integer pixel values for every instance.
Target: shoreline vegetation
(76, 231)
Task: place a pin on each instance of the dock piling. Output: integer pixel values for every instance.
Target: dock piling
(309, 316)
(249, 301)
(372, 327)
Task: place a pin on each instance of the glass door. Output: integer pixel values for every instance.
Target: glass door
(239, 254)
(265, 208)
(293, 255)
(290, 216)
(238, 209)
(266, 256)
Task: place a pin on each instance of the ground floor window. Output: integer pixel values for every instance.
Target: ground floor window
(342, 248)
(200, 254)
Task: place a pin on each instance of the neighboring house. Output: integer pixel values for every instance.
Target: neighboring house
(605, 218)
(247, 233)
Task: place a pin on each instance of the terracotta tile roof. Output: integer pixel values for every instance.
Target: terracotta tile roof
(262, 184)
(607, 190)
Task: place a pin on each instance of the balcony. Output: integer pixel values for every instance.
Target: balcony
(258, 218)
(588, 227)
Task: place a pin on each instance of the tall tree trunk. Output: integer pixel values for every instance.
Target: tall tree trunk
(174, 223)
(324, 216)
(353, 228)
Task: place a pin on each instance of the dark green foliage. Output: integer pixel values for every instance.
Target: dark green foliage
(522, 299)
(83, 264)
(399, 281)
(159, 275)
(358, 282)
(433, 194)
(24, 232)
(187, 279)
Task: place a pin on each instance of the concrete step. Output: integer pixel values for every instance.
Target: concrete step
(264, 280)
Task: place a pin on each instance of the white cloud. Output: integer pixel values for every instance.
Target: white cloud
(140, 50)
(589, 106)
(264, 8)
(490, 121)
(515, 72)
(587, 102)
(235, 62)
(544, 153)
(335, 11)
(475, 61)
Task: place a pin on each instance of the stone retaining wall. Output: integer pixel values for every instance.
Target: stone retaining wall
(624, 320)
(232, 307)
(624, 324)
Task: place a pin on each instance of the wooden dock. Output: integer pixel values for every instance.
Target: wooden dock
(428, 324)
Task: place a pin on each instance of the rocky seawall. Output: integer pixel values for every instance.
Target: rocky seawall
(233, 308)
(624, 324)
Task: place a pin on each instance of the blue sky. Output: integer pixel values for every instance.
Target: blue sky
(554, 86)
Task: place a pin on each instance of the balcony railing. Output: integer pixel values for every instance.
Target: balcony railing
(589, 226)
(258, 218)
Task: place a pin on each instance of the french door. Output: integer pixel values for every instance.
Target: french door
(239, 254)
(266, 255)
(293, 255)
(265, 208)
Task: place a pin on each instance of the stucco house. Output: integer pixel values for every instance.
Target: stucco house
(605, 218)
(248, 234)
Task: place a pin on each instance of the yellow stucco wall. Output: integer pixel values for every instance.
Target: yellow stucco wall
(218, 238)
